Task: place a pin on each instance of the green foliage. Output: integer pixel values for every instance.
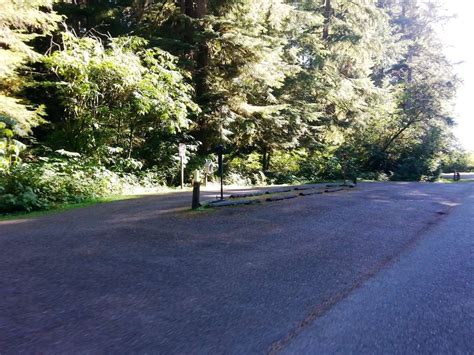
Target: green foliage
(321, 165)
(247, 169)
(66, 178)
(10, 148)
(52, 181)
(457, 160)
(117, 96)
(285, 167)
(297, 90)
(20, 23)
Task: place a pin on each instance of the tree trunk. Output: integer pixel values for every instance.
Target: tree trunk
(140, 7)
(201, 8)
(182, 5)
(194, 8)
(266, 159)
(130, 143)
(198, 9)
(327, 18)
(189, 8)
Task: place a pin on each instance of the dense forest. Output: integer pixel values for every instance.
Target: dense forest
(96, 95)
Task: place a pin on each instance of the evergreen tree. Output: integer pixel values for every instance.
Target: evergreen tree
(360, 82)
(424, 87)
(20, 23)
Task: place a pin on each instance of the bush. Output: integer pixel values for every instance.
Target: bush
(321, 166)
(374, 176)
(49, 182)
(244, 170)
(285, 167)
(457, 161)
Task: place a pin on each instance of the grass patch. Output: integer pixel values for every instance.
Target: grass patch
(66, 207)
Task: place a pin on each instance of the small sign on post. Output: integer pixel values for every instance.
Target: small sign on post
(208, 170)
(182, 155)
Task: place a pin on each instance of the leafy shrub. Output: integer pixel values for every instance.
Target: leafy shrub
(457, 161)
(375, 176)
(234, 178)
(285, 167)
(245, 170)
(53, 181)
(48, 182)
(320, 166)
(120, 93)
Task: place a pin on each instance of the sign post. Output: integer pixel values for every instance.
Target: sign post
(196, 188)
(182, 155)
(220, 152)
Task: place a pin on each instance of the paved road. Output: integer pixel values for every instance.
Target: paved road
(300, 275)
(423, 303)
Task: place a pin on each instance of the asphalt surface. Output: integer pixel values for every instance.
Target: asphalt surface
(382, 268)
(423, 303)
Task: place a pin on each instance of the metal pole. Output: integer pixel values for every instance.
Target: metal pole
(222, 188)
(182, 173)
(220, 152)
